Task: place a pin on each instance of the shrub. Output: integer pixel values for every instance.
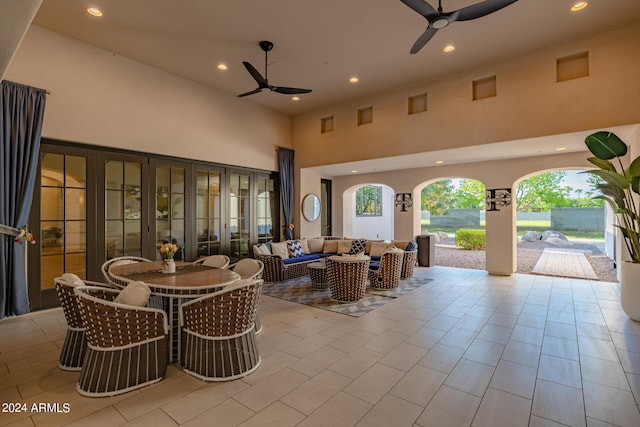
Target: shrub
(471, 239)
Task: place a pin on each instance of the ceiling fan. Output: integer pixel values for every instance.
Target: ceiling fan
(438, 19)
(263, 83)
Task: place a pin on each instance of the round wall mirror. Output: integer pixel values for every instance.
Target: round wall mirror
(311, 207)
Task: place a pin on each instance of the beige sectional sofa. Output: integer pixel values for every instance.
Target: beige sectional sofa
(289, 259)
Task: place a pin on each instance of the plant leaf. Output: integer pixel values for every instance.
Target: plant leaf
(634, 167)
(612, 178)
(602, 164)
(605, 145)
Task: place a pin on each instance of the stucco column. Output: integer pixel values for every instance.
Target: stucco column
(501, 241)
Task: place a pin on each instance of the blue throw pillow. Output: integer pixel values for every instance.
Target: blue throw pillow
(411, 246)
(295, 248)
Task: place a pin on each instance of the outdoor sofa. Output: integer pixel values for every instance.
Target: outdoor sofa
(289, 259)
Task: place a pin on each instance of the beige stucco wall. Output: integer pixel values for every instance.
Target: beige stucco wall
(529, 103)
(500, 226)
(104, 99)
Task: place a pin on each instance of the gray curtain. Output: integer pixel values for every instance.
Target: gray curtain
(21, 113)
(285, 161)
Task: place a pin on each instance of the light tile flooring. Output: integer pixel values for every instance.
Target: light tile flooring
(466, 349)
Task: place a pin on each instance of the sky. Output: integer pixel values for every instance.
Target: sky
(577, 180)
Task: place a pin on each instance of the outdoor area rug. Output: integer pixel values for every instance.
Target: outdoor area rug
(300, 290)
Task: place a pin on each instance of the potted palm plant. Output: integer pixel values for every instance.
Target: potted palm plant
(619, 187)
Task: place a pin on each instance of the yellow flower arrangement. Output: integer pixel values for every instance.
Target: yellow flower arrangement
(168, 250)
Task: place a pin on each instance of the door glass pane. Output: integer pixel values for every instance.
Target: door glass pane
(63, 228)
(177, 180)
(170, 209)
(132, 176)
(123, 208)
(114, 204)
(52, 169)
(265, 208)
(51, 266)
(113, 174)
(76, 171)
(52, 203)
(208, 213)
(51, 238)
(239, 216)
(75, 208)
(75, 236)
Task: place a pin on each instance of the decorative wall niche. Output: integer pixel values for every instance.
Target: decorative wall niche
(417, 103)
(484, 88)
(326, 124)
(365, 116)
(572, 66)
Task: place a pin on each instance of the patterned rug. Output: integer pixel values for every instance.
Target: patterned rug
(300, 290)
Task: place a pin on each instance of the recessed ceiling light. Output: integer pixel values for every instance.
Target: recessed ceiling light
(222, 67)
(579, 6)
(94, 11)
(449, 48)
(354, 171)
(439, 162)
(561, 149)
(295, 98)
(354, 79)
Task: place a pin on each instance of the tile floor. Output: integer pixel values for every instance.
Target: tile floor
(466, 349)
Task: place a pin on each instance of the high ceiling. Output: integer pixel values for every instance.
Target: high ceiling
(320, 44)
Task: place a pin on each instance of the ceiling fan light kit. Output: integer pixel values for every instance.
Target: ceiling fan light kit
(263, 82)
(438, 19)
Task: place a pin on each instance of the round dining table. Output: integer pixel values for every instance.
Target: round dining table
(168, 290)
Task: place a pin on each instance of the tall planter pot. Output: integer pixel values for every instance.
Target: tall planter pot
(630, 289)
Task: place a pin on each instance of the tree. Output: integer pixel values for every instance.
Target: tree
(469, 195)
(540, 192)
(369, 201)
(437, 197)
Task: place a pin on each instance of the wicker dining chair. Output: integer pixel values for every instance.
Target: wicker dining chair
(218, 340)
(387, 275)
(218, 261)
(249, 268)
(126, 345)
(347, 277)
(75, 341)
(110, 278)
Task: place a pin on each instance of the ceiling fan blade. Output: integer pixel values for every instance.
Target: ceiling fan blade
(421, 7)
(289, 90)
(249, 93)
(262, 82)
(481, 9)
(423, 39)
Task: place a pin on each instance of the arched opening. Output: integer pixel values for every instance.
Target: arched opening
(368, 211)
(558, 219)
(453, 211)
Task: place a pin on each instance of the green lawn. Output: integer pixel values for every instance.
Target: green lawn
(524, 226)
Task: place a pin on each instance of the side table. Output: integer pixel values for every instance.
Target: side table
(318, 274)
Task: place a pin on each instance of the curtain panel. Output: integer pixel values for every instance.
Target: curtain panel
(21, 115)
(285, 161)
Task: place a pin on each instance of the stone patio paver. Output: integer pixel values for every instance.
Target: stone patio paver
(565, 263)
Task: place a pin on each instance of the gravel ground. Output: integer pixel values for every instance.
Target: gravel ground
(447, 254)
